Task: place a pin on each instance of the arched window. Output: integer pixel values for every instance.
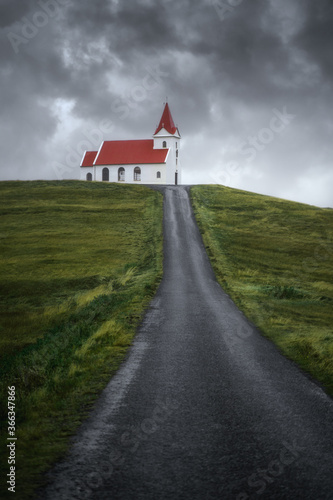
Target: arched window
(164, 144)
(121, 174)
(137, 174)
(105, 174)
(89, 177)
(158, 175)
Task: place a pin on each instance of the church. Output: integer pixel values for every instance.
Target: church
(146, 161)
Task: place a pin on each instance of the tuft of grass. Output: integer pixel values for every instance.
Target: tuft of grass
(80, 263)
(275, 259)
(283, 292)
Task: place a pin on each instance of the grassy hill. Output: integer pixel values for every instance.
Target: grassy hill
(275, 259)
(79, 264)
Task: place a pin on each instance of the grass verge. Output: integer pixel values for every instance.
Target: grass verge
(275, 259)
(80, 263)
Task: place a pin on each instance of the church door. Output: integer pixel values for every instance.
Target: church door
(105, 174)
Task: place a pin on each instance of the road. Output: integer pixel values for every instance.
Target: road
(204, 407)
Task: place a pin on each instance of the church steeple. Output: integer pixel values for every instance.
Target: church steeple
(167, 122)
(167, 136)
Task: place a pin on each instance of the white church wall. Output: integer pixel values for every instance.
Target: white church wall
(85, 171)
(112, 173)
(148, 173)
(158, 142)
(172, 141)
(172, 161)
(170, 169)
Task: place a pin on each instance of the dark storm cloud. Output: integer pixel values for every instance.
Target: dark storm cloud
(316, 36)
(225, 69)
(11, 11)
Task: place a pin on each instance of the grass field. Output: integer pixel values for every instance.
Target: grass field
(80, 263)
(275, 259)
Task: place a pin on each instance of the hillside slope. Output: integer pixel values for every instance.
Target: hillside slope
(275, 259)
(80, 263)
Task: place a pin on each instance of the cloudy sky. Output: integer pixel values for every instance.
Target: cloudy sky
(249, 84)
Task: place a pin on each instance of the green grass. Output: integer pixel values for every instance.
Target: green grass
(80, 263)
(275, 259)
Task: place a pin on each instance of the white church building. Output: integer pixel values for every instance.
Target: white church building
(147, 161)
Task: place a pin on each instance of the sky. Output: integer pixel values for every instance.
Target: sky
(249, 84)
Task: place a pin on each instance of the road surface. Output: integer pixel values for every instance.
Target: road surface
(204, 407)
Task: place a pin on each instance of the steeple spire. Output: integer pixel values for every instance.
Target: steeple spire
(166, 121)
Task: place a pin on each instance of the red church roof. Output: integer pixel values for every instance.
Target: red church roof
(167, 122)
(130, 152)
(89, 158)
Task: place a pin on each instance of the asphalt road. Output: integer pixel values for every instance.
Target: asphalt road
(204, 407)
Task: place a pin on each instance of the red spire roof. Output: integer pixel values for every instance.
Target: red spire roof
(166, 121)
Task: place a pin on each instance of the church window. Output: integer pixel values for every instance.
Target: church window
(121, 174)
(137, 174)
(176, 153)
(105, 174)
(89, 177)
(158, 175)
(164, 144)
